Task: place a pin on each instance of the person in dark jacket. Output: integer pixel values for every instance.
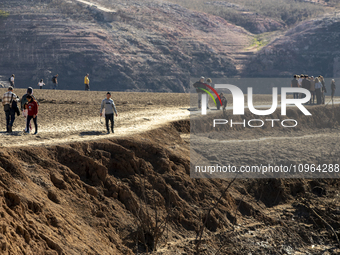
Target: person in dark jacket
(224, 102)
(305, 84)
(198, 85)
(32, 107)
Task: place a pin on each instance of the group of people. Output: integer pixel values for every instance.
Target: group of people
(201, 90)
(29, 108)
(54, 82)
(316, 86)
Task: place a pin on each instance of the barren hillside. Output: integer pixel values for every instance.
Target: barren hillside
(152, 46)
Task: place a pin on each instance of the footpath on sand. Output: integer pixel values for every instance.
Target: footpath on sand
(93, 128)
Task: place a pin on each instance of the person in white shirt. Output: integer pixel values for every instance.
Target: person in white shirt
(41, 83)
(11, 80)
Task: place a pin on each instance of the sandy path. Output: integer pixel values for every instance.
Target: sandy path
(127, 123)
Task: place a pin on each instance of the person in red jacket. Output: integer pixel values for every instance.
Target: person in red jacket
(32, 113)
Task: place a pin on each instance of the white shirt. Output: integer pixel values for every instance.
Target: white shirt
(12, 79)
(41, 84)
(300, 82)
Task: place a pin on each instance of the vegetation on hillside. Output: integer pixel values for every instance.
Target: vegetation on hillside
(3, 14)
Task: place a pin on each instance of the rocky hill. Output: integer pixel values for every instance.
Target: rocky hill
(312, 48)
(151, 46)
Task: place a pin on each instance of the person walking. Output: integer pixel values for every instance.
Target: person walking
(55, 81)
(41, 83)
(7, 101)
(32, 113)
(294, 84)
(109, 107)
(318, 87)
(24, 101)
(87, 82)
(333, 89)
(11, 81)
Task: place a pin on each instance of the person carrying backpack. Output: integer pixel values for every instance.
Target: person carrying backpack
(9, 101)
(32, 113)
(55, 81)
(87, 82)
(109, 107)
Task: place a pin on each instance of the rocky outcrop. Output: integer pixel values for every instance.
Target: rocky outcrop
(150, 47)
(312, 47)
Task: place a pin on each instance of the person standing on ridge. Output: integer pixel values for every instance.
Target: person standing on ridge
(11, 80)
(87, 82)
(305, 84)
(318, 87)
(109, 107)
(55, 81)
(198, 85)
(294, 84)
(333, 89)
(7, 101)
(323, 89)
(32, 113)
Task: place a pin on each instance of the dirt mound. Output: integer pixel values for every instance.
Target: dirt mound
(120, 196)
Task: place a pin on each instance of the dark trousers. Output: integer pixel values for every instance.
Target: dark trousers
(318, 96)
(312, 97)
(87, 87)
(10, 117)
(28, 123)
(109, 117)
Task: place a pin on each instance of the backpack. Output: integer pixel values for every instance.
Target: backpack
(9, 79)
(53, 79)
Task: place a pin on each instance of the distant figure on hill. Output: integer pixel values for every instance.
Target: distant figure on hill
(11, 80)
(294, 84)
(32, 107)
(109, 107)
(9, 101)
(24, 103)
(87, 82)
(41, 83)
(199, 86)
(55, 81)
(333, 89)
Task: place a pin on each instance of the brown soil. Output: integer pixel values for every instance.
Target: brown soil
(133, 193)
